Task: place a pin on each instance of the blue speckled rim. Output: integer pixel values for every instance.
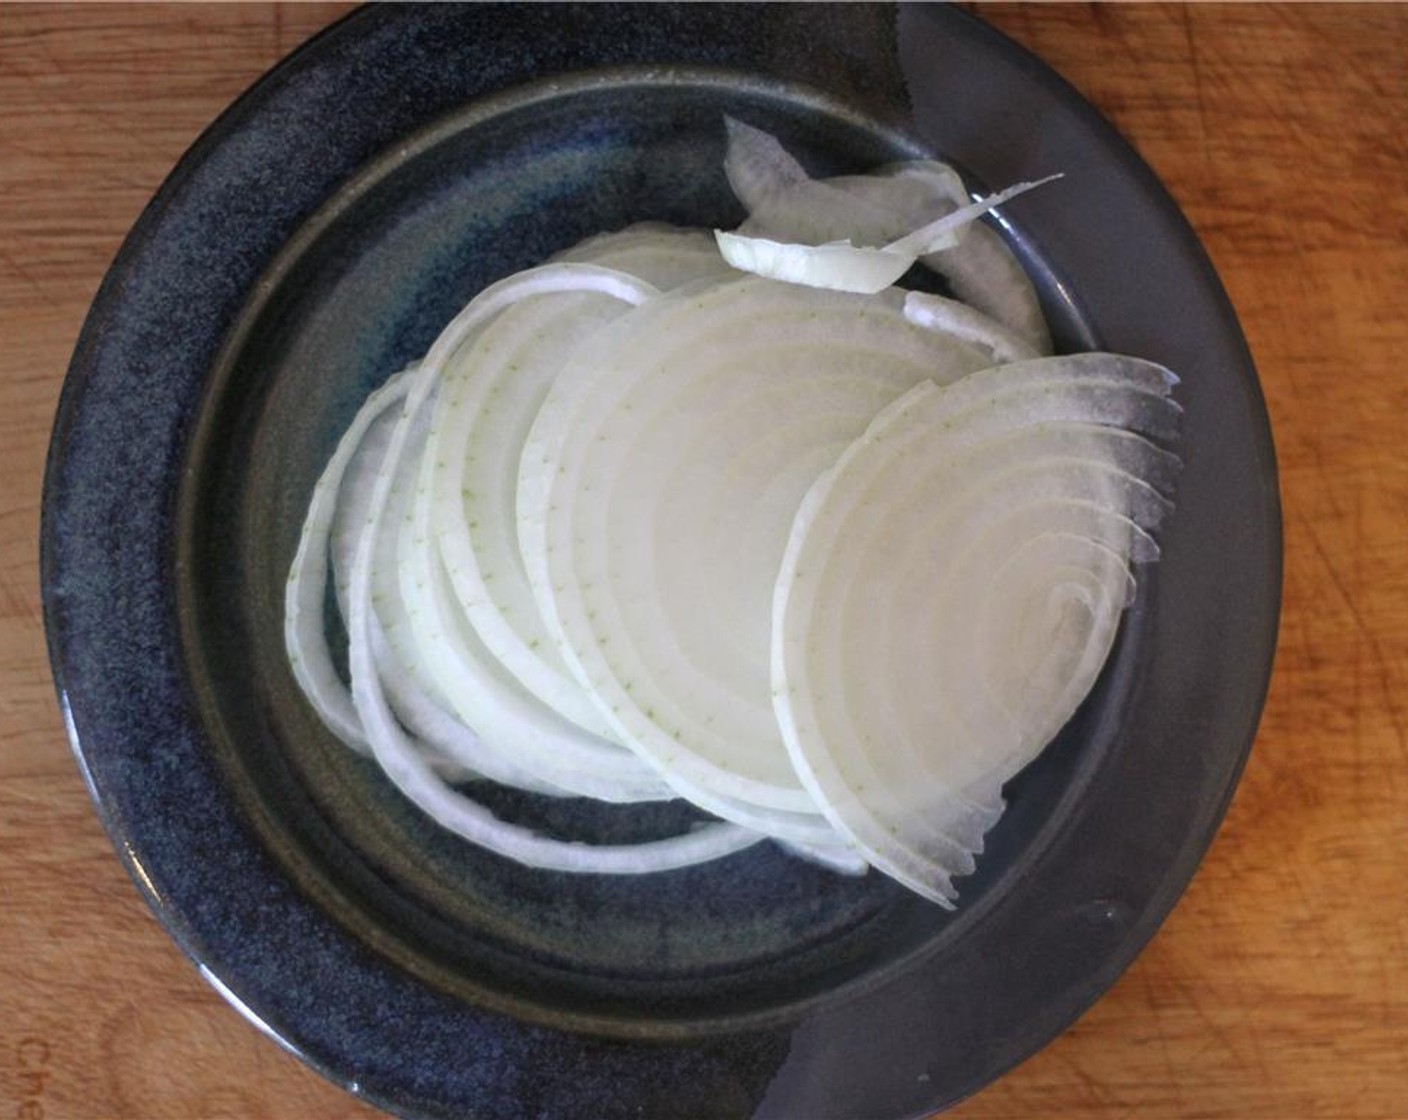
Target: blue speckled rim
(1035, 960)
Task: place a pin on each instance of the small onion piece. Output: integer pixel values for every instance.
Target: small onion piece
(844, 267)
(942, 232)
(785, 205)
(305, 636)
(960, 321)
(980, 270)
(664, 256)
(758, 168)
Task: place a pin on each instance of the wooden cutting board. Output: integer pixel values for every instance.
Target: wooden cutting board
(1278, 988)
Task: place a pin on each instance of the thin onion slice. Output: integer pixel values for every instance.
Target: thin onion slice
(847, 268)
(980, 270)
(489, 396)
(759, 169)
(482, 692)
(950, 590)
(960, 321)
(305, 622)
(785, 205)
(942, 232)
(664, 256)
(454, 748)
(841, 267)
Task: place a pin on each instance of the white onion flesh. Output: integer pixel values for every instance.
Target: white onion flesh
(844, 267)
(489, 396)
(395, 751)
(971, 517)
(958, 320)
(483, 693)
(841, 267)
(414, 696)
(943, 232)
(666, 257)
(731, 518)
(758, 168)
(701, 419)
(304, 623)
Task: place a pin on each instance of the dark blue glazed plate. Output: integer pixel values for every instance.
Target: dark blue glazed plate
(314, 239)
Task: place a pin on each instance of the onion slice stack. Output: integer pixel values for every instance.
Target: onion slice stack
(497, 717)
(831, 559)
(664, 473)
(950, 590)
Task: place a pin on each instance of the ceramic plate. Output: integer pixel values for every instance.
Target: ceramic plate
(316, 238)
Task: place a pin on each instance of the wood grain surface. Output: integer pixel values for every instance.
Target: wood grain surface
(1278, 988)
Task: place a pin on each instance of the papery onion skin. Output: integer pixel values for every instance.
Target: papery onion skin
(394, 751)
(786, 205)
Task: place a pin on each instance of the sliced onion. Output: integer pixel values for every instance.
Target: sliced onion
(912, 192)
(759, 169)
(960, 321)
(949, 591)
(787, 206)
(478, 685)
(489, 396)
(840, 267)
(831, 560)
(847, 268)
(394, 750)
(305, 623)
(942, 233)
(980, 270)
(664, 256)
(480, 741)
(836, 856)
(668, 463)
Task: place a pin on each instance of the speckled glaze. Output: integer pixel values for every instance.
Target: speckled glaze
(313, 241)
